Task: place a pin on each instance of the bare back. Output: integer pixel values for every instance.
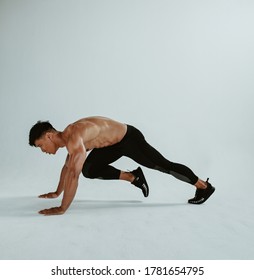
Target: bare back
(97, 132)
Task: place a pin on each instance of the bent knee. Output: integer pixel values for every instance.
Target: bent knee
(88, 171)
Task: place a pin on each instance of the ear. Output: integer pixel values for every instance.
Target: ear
(49, 135)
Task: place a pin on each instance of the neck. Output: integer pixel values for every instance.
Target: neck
(59, 140)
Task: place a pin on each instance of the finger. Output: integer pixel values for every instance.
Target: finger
(43, 196)
(51, 211)
(48, 195)
(44, 211)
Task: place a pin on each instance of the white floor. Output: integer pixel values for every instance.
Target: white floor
(111, 220)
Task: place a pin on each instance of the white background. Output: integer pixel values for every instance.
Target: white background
(182, 72)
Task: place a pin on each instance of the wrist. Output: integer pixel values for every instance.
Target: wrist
(57, 192)
(63, 209)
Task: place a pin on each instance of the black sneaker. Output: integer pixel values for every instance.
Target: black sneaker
(202, 195)
(140, 181)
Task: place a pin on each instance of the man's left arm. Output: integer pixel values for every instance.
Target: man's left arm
(77, 156)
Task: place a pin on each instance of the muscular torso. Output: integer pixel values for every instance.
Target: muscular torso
(96, 132)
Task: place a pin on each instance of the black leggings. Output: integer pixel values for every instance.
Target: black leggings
(134, 146)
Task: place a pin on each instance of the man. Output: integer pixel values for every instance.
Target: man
(107, 140)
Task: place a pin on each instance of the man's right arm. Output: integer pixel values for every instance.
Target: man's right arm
(61, 183)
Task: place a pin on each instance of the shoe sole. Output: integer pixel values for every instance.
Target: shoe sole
(203, 199)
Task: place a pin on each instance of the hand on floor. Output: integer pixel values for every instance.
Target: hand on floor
(49, 195)
(52, 211)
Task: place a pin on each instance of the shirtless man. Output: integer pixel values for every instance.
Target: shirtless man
(107, 140)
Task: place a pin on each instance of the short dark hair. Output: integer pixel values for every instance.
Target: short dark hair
(38, 130)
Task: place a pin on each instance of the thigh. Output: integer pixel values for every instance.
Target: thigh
(142, 152)
(103, 156)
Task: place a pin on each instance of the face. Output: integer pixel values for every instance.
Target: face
(46, 144)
